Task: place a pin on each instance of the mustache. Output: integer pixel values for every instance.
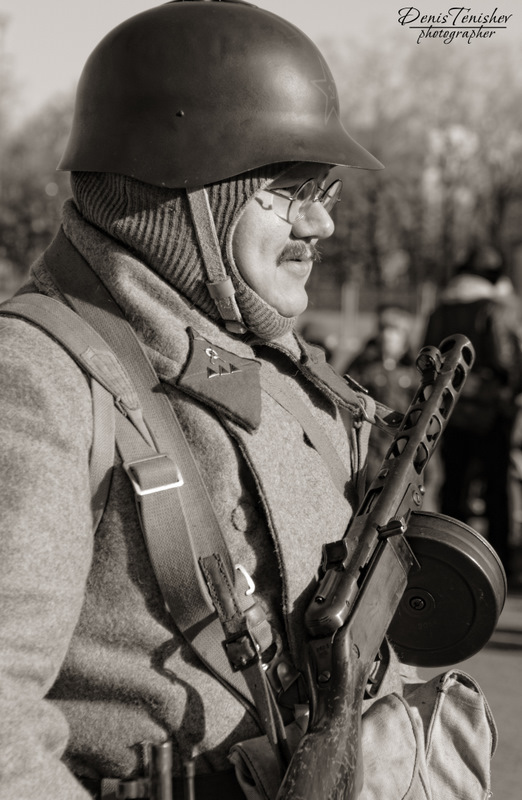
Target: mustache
(299, 251)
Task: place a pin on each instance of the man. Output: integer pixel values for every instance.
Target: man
(385, 366)
(200, 190)
(476, 449)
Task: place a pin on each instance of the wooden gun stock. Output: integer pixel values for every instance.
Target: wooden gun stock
(364, 577)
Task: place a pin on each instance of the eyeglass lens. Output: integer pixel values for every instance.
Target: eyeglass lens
(308, 193)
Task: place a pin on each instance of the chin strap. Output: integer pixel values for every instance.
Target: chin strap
(219, 284)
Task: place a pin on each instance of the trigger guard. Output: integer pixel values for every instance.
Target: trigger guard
(451, 605)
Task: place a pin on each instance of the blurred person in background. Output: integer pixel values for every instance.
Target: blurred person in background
(385, 367)
(475, 449)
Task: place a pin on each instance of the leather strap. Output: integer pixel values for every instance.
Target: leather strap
(248, 634)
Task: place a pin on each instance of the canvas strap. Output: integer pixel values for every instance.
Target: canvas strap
(89, 351)
(179, 523)
(276, 387)
(171, 498)
(219, 283)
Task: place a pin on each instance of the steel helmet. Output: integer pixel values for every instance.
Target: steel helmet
(195, 91)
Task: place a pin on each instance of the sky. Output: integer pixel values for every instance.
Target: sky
(48, 41)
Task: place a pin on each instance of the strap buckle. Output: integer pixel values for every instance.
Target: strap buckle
(148, 475)
(242, 650)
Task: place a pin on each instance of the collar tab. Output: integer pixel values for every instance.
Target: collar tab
(227, 382)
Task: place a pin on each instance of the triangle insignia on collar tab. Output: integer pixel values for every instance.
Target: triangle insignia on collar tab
(224, 380)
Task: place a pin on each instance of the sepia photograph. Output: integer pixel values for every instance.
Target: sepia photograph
(260, 400)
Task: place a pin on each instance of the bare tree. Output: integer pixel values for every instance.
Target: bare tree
(448, 127)
(32, 190)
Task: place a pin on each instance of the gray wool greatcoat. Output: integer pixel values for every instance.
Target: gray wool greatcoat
(91, 663)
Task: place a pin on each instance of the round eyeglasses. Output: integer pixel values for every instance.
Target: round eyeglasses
(293, 207)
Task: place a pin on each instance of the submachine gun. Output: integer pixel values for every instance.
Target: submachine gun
(433, 585)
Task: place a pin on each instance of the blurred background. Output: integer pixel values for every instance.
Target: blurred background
(445, 119)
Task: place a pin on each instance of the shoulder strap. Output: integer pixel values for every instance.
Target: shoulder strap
(178, 520)
(156, 458)
(275, 386)
(108, 379)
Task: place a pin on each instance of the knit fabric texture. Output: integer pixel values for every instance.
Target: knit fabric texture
(155, 224)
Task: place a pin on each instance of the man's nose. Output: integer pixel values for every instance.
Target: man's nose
(315, 223)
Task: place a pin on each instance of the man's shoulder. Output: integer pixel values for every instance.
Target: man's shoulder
(30, 356)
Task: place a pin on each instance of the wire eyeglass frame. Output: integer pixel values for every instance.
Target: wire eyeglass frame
(297, 204)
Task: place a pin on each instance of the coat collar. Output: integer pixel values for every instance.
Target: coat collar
(179, 338)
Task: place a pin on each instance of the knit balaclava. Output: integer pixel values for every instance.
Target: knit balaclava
(155, 224)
